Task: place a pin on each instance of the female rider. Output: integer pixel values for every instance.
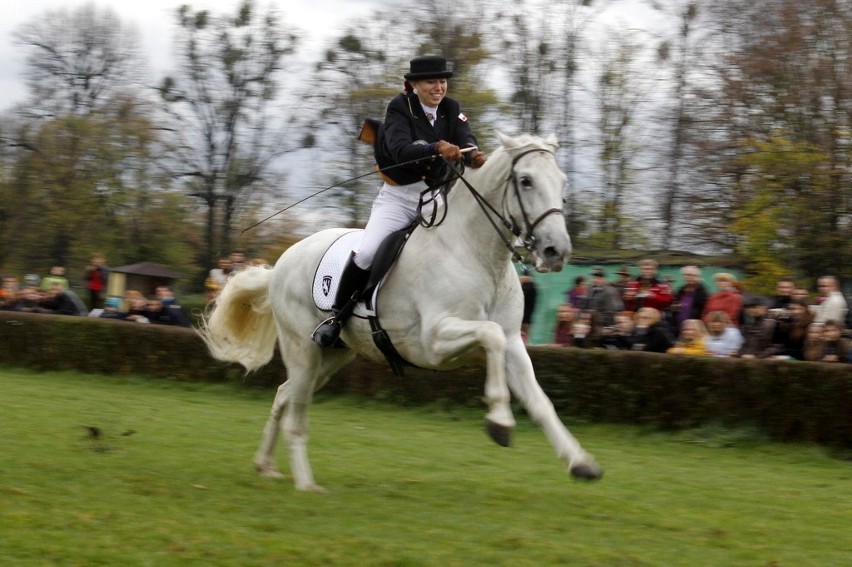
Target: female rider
(420, 125)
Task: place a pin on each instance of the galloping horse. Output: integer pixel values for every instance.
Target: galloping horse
(452, 291)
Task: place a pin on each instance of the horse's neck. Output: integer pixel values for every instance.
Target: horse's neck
(467, 220)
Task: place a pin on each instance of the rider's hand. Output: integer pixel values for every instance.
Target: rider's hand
(448, 151)
(477, 159)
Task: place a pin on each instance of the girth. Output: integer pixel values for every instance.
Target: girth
(385, 258)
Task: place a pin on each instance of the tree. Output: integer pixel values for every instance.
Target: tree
(87, 183)
(543, 43)
(619, 99)
(571, 20)
(787, 76)
(79, 166)
(682, 52)
(455, 31)
(526, 41)
(78, 60)
(783, 181)
(220, 106)
(353, 82)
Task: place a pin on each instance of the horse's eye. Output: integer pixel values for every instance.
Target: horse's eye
(526, 182)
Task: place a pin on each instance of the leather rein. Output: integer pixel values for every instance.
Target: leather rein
(508, 221)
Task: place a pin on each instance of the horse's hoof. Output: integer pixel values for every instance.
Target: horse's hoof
(315, 488)
(501, 434)
(267, 471)
(586, 471)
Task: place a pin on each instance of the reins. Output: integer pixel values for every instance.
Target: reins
(312, 195)
(508, 221)
(491, 213)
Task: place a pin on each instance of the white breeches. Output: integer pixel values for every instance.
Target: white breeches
(395, 208)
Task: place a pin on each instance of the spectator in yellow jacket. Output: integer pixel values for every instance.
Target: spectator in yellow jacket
(691, 339)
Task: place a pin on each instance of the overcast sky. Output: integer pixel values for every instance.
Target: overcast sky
(317, 20)
(154, 20)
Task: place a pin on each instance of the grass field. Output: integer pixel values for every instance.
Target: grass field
(168, 481)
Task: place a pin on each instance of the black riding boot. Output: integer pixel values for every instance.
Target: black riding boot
(352, 282)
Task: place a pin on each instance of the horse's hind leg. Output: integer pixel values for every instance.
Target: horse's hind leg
(308, 370)
(522, 382)
(264, 462)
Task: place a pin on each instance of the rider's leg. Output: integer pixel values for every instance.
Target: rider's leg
(394, 209)
(352, 282)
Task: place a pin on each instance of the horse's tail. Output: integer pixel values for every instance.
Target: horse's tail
(240, 327)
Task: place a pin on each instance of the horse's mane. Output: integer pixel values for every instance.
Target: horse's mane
(526, 139)
(516, 144)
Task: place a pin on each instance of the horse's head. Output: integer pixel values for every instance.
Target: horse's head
(533, 199)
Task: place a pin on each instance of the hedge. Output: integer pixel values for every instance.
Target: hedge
(789, 401)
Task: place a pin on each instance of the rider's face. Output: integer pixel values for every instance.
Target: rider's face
(430, 91)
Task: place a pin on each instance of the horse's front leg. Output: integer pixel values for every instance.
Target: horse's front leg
(452, 337)
(521, 380)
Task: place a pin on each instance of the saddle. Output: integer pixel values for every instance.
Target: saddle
(327, 278)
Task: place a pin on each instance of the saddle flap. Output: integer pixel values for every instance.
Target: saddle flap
(327, 276)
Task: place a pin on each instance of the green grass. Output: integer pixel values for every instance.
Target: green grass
(170, 482)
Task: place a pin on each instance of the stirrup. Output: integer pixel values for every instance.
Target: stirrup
(327, 333)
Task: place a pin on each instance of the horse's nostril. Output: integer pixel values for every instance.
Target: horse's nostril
(550, 252)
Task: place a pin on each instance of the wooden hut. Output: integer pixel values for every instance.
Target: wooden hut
(144, 277)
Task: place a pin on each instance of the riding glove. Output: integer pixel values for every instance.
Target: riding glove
(448, 151)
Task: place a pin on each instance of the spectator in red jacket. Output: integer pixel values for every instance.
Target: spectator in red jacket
(97, 278)
(646, 290)
(727, 299)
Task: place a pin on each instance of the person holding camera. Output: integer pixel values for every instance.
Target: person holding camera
(758, 330)
(793, 330)
(783, 293)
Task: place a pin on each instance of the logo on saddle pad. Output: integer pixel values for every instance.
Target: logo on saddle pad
(331, 266)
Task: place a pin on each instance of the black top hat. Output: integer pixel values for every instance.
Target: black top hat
(428, 67)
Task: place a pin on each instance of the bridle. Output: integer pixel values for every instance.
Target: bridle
(529, 241)
(523, 230)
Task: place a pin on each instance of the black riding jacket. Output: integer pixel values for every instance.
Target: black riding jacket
(407, 135)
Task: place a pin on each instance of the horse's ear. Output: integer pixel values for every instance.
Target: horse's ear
(506, 141)
(552, 141)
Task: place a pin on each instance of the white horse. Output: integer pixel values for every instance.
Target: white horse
(452, 292)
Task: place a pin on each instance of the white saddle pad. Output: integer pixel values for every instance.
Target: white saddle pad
(331, 266)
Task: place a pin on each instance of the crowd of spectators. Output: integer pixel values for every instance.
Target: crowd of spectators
(645, 313)
(53, 294)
